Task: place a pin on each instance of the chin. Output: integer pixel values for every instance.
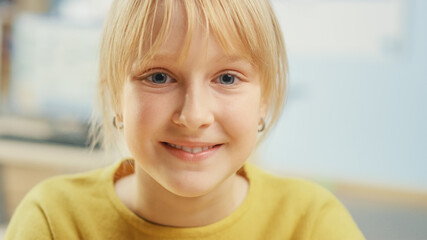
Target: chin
(189, 193)
(191, 187)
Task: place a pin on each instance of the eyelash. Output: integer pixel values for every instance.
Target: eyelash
(168, 78)
(236, 80)
(146, 77)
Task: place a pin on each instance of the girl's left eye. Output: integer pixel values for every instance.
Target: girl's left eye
(227, 79)
(159, 78)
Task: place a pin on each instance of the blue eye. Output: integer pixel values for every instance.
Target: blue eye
(159, 78)
(227, 79)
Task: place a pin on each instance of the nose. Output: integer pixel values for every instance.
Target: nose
(195, 111)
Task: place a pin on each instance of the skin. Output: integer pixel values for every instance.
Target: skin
(193, 109)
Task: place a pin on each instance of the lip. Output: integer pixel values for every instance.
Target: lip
(191, 157)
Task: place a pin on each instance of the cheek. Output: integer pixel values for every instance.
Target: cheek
(143, 116)
(241, 115)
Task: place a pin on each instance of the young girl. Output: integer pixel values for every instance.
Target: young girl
(192, 86)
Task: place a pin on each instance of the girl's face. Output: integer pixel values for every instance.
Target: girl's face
(190, 125)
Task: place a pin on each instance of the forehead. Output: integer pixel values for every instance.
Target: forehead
(180, 29)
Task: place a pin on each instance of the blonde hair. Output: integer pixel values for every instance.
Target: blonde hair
(248, 28)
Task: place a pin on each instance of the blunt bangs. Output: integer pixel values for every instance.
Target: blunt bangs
(135, 31)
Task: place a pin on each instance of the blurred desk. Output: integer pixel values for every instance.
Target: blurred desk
(24, 164)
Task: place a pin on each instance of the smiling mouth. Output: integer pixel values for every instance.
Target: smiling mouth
(193, 150)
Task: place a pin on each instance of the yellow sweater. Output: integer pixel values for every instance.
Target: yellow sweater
(85, 206)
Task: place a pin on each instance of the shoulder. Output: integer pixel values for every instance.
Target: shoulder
(64, 206)
(293, 188)
(59, 194)
(311, 209)
(67, 185)
(299, 196)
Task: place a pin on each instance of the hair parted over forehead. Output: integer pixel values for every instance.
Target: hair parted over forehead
(246, 28)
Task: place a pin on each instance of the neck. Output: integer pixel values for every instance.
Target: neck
(156, 204)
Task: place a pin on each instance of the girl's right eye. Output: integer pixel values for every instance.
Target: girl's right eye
(159, 78)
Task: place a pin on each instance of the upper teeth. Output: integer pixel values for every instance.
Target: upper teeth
(189, 149)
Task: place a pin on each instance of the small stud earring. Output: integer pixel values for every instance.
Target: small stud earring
(261, 125)
(116, 123)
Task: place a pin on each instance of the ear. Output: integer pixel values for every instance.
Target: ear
(117, 110)
(118, 114)
(263, 109)
(119, 117)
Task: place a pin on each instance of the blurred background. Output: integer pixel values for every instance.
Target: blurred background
(355, 119)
